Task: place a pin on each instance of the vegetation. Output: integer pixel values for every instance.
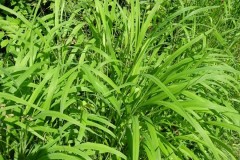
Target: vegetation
(118, 79)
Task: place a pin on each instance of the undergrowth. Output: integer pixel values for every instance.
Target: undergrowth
(113, 79)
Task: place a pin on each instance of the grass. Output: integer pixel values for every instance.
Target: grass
(120, 80)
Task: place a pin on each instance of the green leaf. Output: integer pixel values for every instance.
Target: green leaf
(39, 89)
(101, 148)
(1, 35)
(1, 157)
(154, 141)
(63, 104)
(11, 97)
(58, 156)
(70, 150)
(26, 127)
(55, 114)
(4, 43)
(225, 125)
(136, 138)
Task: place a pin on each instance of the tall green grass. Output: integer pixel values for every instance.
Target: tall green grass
(120, 80)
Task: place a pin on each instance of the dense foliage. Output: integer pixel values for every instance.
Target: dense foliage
(117, 79)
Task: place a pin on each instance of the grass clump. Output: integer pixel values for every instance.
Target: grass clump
(119, 80)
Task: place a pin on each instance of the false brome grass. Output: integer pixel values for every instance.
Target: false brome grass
(118, 80)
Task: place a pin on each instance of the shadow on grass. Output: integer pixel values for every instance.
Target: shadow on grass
(41, 154)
